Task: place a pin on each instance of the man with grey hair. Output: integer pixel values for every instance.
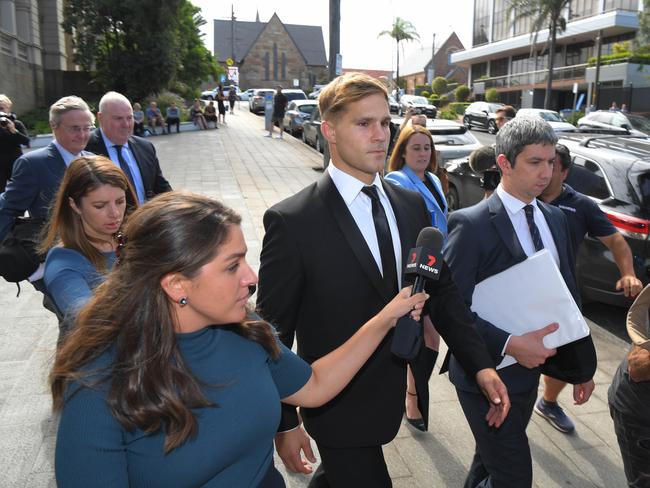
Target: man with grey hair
(136, 156)
(512, 225)
(36, 176)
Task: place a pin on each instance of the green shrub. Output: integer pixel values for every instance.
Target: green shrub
(622, 57)
(492, 95)
(36, 121)
(443, 101)
(439, 85)
(462, 92)
(447, 114)
(424, 94)
(434, 99)
(165, 99)
(458, 107)
(574, 117)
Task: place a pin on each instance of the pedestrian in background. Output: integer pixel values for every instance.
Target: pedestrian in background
(13, 135)
(279, 106)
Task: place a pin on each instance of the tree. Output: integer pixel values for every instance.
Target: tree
(641, 43)
(439, 85)
(462, 92)
(138, 47)
(544, 14)
(402, 30)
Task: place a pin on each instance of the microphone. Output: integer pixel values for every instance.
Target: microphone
(425, 263)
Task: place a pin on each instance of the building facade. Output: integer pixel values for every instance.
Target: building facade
(423, 64)
(503, 58)
(272, 53)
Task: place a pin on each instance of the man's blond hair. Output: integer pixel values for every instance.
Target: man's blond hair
(346, 89)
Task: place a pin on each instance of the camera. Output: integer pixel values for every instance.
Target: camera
(5, 118)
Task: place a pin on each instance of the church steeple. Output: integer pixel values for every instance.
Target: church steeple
(257, 16)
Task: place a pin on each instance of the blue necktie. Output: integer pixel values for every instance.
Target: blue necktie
(532, 226)
(123, 164)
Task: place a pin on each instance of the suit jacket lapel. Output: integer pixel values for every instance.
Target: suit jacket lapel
(59, 163)
(504, 228)
(342, 216)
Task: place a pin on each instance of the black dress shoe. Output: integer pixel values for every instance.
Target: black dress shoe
(417, 423)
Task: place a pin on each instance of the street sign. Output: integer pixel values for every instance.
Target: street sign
(339, 64)
(222, 78)
(233, 74)
(575, 88)
(296, 82)
(229, 62)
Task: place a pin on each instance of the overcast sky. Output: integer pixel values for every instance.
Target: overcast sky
(361, 22)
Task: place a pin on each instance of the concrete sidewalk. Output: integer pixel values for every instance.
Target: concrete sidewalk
(249, 172)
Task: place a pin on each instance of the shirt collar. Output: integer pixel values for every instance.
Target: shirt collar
(348, 186)
(512, 204)
(67, 156)
(107, 142)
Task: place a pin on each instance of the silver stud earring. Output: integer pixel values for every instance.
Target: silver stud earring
(182, 302)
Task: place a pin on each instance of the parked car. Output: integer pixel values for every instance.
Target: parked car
(294, 94)
(482, 115)
(393, 105)
(552, 117)
(246, 95)
(311, 134)
(635, 124)
(316, 92)
(613, 170)
(212, 94)
(452, 140)
(419, 103)
(256, 102)
(297, 112)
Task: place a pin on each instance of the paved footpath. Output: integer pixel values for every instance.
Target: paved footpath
(250, 173)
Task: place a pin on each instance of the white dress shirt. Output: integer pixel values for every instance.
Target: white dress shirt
(128, 156)
(515, 209)
(360, 206)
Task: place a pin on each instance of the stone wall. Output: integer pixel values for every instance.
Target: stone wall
(22, 83)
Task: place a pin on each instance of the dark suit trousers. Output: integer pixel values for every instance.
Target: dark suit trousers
(353, 467)
(502, 458)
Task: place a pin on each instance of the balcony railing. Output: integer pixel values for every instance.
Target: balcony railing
(574, 72)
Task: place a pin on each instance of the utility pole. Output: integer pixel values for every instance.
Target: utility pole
(433, 59)
(232, 31)
(335, 36)
(594, 93)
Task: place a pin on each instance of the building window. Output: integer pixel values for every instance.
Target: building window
(501, 26)
(499, 67)
(275, 61)
(481, 22)
(478, 71)
(579, 53)
(621, 5)
(284, 66)
(266, 65)
(583, 8)
(523, 25)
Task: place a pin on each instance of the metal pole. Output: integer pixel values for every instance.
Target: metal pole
(335, 35)
(595, 92)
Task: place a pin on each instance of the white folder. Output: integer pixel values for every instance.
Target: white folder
(527, 297)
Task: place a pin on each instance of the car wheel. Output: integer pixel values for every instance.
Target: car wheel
(319, 148)
(467, 122)
(294, 131)
(453, 202)
(492, 127)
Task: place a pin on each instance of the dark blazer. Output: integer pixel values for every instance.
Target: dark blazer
(34, 182)
(482, 242)
(145, 155)
(319, 281)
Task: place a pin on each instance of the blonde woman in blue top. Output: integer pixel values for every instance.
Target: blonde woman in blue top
(412, 166)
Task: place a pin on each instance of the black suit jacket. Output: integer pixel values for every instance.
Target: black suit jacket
(482, 242)
(145, 155)
(319, 281)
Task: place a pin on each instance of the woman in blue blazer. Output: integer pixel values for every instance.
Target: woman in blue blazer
(412, 165)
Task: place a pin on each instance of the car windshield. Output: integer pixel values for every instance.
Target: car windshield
(639, 122)
(420, 100)
(307, 108)
(453, 139)
(295, 96)
(550, 116)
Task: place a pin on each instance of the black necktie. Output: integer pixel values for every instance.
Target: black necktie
(123, 164)
(532, 226)
(384, 239)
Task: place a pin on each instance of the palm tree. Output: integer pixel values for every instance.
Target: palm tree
(402, 30)
(544, 14)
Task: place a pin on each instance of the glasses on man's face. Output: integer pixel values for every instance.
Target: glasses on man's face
(502, 119)
(75, 129)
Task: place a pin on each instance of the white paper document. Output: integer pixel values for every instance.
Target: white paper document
(527, 297)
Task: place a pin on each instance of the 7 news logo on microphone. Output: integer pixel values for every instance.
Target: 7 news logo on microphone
(423, 262)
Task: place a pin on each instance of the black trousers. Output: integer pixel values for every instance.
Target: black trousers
(354, 467)
(502, 458)
(634, 440)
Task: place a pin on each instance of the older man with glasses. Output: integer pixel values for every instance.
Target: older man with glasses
(36, 176)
